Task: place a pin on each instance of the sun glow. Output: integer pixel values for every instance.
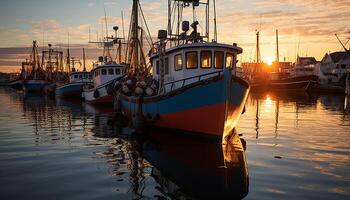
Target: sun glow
(268, 100)
(269, 61)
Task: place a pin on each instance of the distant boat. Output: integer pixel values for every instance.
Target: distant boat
(105, 71)
(39, 76)
(74, 89)
(103, 74)
(194, 87)
(78, 80)
(282, 81)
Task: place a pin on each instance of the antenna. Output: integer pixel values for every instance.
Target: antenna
(104, 8)
(215, 26)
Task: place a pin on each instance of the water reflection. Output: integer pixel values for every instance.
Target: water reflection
(298, 147)
(156, 164)
(297, 138)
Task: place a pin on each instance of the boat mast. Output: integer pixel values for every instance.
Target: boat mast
(277, 47)
(84, 67)
(258, 58)
(68, 57)
(34, 60)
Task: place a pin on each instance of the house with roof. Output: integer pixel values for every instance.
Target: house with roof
(335, 66)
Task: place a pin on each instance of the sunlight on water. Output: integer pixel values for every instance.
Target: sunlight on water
(297, 147)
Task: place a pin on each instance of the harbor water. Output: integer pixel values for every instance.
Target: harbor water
(297, 146)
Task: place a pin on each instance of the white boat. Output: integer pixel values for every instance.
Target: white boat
(77, 81)
(103, 74)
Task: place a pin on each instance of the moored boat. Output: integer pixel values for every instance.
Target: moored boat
(36, 78)
(73, 89)
(106, 71)
(78, 80)
(103, 74)
(197, 89)
(286, 83)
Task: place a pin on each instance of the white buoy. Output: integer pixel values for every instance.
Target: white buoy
(139, 91)
(149, 91)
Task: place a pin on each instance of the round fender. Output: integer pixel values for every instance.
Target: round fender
(96, 94)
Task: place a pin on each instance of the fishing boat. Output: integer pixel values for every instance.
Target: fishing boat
(282, 81)
(194, 87)
(36, 78)
(105, 71)
(77, 79)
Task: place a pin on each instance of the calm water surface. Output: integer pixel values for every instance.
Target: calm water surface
(297, 147)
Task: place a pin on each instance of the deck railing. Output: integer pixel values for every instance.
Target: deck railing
(198, 78)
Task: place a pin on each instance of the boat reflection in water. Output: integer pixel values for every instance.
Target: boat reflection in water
(183, 167)
(154, 164)
(189, 167)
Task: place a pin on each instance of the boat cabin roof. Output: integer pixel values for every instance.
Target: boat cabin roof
(201, 46)
(76, 72)
(108, 65)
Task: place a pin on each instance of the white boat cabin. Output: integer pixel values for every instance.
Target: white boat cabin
(80, 77)
(189, 61)
(106, 72)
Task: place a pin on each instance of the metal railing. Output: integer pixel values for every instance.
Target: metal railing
(198, 78)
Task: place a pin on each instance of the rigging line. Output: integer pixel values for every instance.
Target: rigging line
(127, 46)
(144, 19)
(123, 24)
(104, 9)
(173, 14)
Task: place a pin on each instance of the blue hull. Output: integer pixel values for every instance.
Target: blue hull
(70, 90)
(34, 86)
(211, 106)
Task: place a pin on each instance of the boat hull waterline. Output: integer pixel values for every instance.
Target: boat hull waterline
(72, 90)
(98, 96)
(211, 107)
(34, 85)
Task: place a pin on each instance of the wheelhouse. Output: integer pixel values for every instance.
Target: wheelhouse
(79, 77)
(191, 61)
(107, 72)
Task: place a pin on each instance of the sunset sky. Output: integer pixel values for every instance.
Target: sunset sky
(311, 24)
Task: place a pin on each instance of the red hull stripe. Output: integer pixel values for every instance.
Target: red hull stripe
(207, 119)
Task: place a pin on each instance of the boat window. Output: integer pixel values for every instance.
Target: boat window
(90, 76)
(110, 71)
(191, 60)
(76, 76)
(206, 59)
(85, 75)
(103, 71)
(117, 71)
(219, 59)
(178, 62)
(229, 60)
(80, 76)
